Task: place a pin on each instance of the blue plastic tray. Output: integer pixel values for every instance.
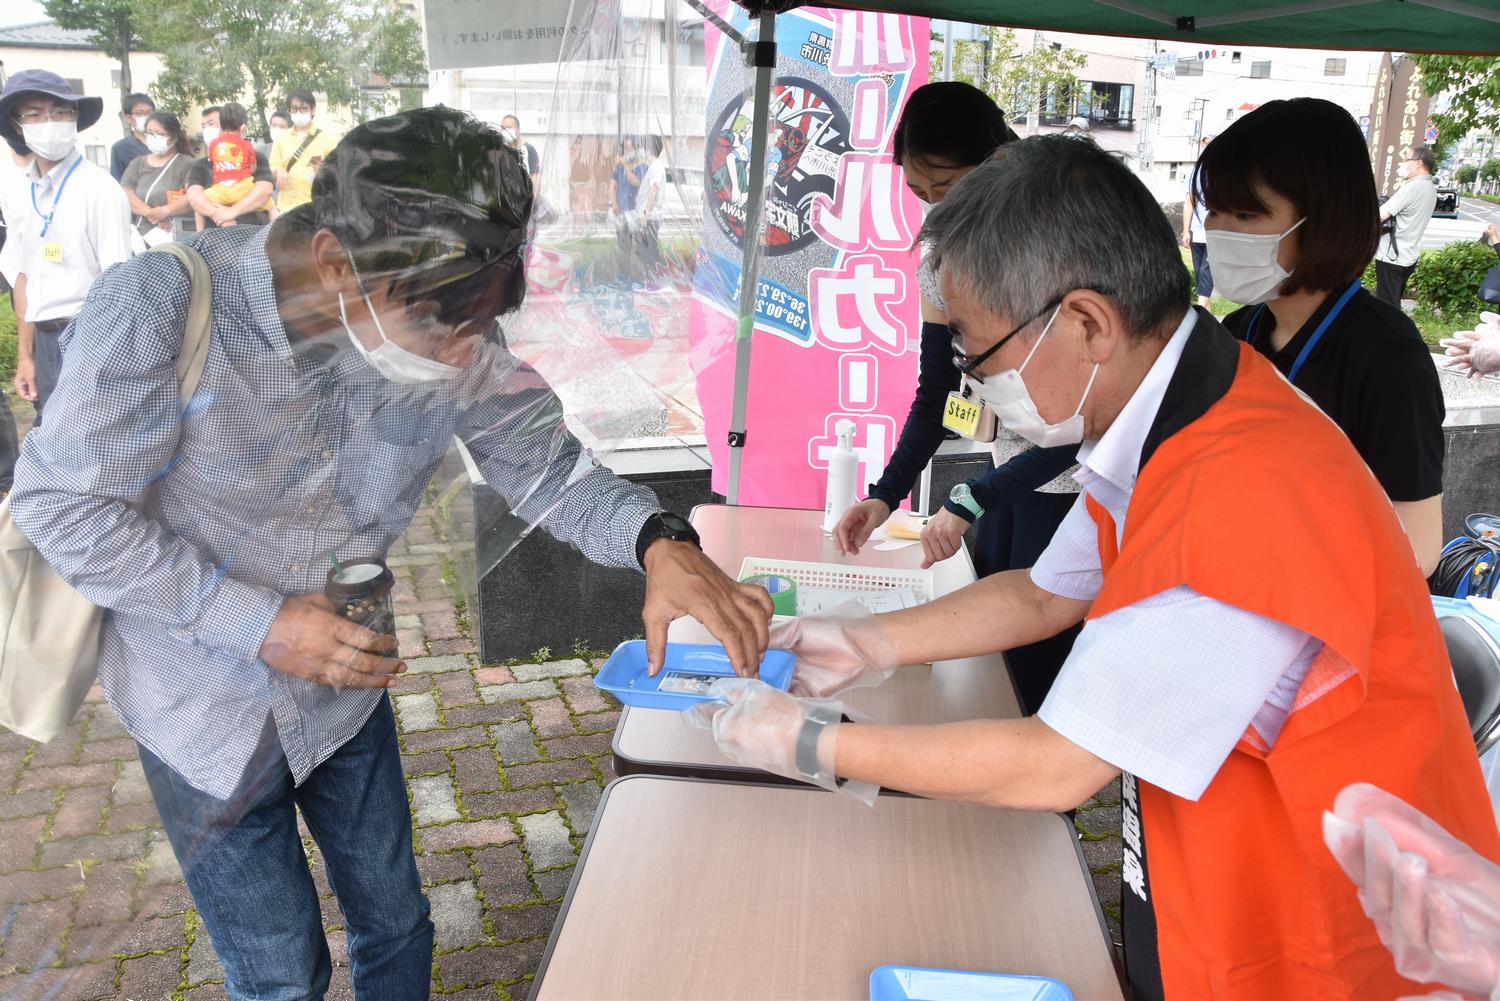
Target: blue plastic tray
(916, 983)
(689, 668)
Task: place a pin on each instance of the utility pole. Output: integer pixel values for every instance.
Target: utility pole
(1143, 151)
(1034, 113)
(948, 50)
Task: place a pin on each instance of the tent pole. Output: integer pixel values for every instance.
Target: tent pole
(762, 55)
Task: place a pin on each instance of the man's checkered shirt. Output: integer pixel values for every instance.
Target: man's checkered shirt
(191, 527)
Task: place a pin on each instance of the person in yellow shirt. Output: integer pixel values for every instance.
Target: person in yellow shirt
(296, 155)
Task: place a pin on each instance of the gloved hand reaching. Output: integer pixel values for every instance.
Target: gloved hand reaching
(845, 648)
(1434, 900)
(1475, 352)
(766, 728)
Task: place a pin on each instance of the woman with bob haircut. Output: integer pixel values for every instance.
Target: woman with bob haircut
(1293, 220)
(945, 131)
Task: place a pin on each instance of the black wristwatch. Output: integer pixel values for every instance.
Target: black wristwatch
(664, 525)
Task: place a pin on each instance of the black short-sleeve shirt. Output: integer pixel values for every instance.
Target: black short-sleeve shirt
(1373, 375)
(202, 174)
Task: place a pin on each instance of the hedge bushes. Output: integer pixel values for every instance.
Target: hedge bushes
(1447, 281)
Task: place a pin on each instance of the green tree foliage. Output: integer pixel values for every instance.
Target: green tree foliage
(1014, 74)
(1467, 174)
(1490, 170)
(215, 51)
(1473, 83)
(110, 24)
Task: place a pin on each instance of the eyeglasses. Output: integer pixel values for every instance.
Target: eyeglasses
(966, 364)
(61, 113)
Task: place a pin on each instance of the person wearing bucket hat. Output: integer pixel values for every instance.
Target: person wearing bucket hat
(352, 340)
(78, 226)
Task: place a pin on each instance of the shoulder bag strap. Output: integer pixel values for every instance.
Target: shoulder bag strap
(157, 180)
(302, 149)
(199, 330)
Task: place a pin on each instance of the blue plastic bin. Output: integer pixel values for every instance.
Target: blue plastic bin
(688, 669)
(916, 983)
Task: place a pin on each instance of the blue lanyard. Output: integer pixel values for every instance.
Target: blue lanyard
(47, 219)
(1317, 336)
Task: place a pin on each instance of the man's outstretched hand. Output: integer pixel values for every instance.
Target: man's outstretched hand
(680, 580)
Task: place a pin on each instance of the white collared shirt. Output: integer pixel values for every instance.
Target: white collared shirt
(89, 232)
(1163, 688)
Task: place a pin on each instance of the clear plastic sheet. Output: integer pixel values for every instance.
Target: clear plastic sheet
(423, 325)
(312, 444)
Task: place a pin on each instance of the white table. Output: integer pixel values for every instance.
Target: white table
(656, 741)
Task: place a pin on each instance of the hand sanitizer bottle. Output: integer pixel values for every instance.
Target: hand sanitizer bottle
(843, 467)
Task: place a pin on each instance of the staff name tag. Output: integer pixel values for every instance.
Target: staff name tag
(52, 252)
(961, 416)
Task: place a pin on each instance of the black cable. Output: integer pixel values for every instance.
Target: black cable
(1465, 560)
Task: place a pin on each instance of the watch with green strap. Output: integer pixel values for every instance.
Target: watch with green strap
(963, 498)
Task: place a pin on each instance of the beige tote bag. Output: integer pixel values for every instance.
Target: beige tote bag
(49, 633)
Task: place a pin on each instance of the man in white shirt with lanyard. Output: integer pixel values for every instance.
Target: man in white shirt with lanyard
(79, 224)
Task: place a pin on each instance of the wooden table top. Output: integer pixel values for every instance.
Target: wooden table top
(690, 889)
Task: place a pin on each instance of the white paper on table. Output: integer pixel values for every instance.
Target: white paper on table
(816, 600)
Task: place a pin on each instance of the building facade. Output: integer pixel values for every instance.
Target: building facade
(91, 72)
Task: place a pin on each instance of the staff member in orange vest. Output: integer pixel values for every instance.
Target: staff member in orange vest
(1257, 633)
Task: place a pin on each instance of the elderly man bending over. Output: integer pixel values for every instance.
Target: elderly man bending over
(1257, 635)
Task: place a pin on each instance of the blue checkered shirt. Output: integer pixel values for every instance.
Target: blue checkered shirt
(191, 527)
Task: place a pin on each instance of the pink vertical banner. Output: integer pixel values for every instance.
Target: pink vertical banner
(837, 323)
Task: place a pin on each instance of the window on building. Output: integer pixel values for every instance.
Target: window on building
(76, 86)
(1335, 67)
(689, 42)
(1105, 105)
(1172, 169)
(98, 155)
(1235, 58)
(1156, 112)
(1189, 67)
(114, 79)
(1228, 113)
(1260, 70)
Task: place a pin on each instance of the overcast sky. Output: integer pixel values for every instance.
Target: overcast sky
(21, 12)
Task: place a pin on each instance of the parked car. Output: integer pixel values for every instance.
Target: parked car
(1447, 202)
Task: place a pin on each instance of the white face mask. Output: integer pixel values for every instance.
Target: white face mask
(51, 140)
(1246, 266)
(210, 133)
(278, 132)
(1006, 396)
(927, 208)
(158, 144)
(302, 119)
(140, 122)
(390, 359)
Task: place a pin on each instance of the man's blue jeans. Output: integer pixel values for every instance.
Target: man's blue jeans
(249, 876)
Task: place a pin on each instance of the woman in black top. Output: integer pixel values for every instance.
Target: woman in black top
(1293, 220)
(945, 131)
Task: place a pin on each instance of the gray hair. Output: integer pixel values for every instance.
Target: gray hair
(1051, 214)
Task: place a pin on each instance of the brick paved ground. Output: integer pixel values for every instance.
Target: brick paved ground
(504, 766)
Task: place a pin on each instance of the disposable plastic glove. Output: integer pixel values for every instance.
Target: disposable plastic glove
(1434, 900)
(1475, 352)
(845, 648)
(757, 725)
